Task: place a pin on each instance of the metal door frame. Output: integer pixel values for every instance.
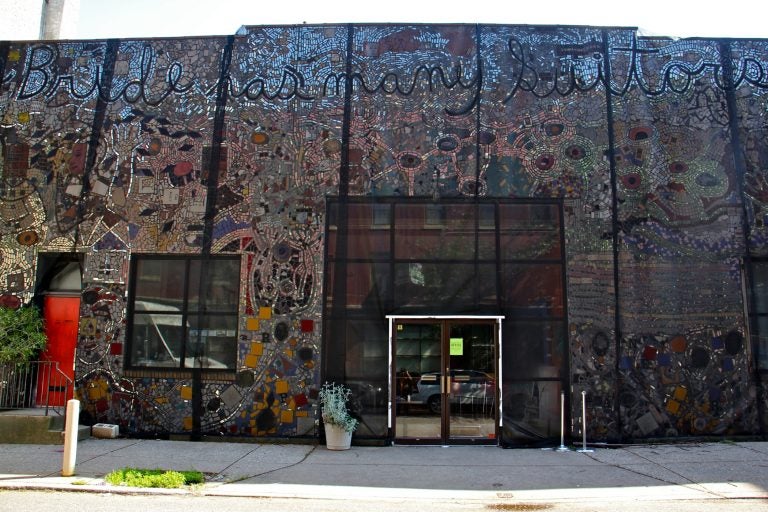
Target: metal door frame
(392, 319)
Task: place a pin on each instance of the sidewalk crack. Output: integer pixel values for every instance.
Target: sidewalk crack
(690, 483)
(246, 477)
(79, 461)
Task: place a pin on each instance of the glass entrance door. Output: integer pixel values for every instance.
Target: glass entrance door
(445, 383)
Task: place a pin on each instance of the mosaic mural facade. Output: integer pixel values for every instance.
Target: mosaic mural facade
(231, 145)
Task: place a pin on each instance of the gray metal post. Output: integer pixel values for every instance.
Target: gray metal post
(584, 448)
(562, 447)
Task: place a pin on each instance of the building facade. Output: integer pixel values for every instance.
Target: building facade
(478, 228)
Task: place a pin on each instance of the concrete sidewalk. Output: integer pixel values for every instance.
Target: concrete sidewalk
(649, 472)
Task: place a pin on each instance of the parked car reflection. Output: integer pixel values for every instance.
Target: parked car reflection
(467, 387)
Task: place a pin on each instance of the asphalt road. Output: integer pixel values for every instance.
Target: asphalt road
(20, 501)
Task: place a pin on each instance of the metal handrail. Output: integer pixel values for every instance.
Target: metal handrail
(34, 385)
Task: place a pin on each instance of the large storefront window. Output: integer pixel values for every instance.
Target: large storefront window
(451, 257)
(183, 312)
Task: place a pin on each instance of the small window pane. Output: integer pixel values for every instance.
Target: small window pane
(223, 285)
(428, 231)
(369, 231)
(212, 342)
(157, 339)
(762, 342)
(760, 280)
(366, 361)
(533, 289)
(367, 350)
(160, 281)
(533, 349)
(193, 293)
(487, 216)
(449, 286)
(368, 286)
(529, 231)
(533, 409)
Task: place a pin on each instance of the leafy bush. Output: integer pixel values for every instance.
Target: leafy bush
(21, 334)
(133, 477)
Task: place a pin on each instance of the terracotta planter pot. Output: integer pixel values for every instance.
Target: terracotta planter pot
(336, 438)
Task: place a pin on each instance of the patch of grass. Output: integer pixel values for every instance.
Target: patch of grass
(133, 477)
(192, 477)
(79, 482)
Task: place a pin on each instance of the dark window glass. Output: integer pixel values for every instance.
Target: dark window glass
(531, 411)
(427, 231)
(417, 350)
(161, 281)
(367, 346)
(368, 230)
(366, 359)
(762, 342)
(367, 285)
(193, 294)
(759, 310)
(478, 351)
(533, 289)
(487, 216)
(529, 231)
(212, 342)
(223, 286)
(156, 338)
(448, 287)
(760, 280)
(169, 328)
(533, 349)
(332, 230)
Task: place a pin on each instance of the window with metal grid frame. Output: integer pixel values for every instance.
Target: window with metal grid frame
(183, 312)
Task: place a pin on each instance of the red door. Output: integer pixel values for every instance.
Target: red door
(62, 316)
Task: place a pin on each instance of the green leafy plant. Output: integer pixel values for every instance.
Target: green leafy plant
(333, 402)
(21, 334)
(133, 477)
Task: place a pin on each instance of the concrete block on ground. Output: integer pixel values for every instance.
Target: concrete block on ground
(105, 431)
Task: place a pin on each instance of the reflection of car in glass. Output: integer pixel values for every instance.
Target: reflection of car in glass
(470, 387)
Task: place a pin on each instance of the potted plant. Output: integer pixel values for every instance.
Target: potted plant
(339, 423)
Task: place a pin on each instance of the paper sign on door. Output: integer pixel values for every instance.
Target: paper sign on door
(457, 346)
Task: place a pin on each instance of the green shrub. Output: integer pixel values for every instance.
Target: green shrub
(133, 477)
(21, 334)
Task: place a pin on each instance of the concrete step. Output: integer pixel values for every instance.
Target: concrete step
(34, 429)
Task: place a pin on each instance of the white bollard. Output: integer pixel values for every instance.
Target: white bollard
(70, 437)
